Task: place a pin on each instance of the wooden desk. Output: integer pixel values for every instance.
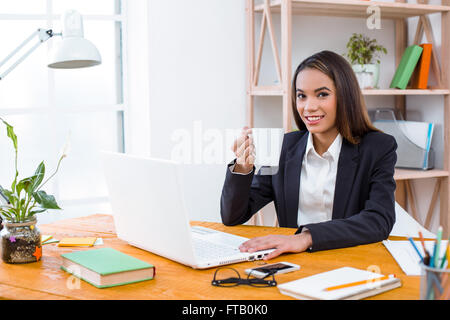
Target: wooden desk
(45, 279)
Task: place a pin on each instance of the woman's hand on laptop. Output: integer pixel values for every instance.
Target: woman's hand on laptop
(281, 243)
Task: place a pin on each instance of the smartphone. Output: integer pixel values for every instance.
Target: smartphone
(279, 267)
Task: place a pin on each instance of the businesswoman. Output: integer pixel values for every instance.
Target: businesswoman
(335, 177)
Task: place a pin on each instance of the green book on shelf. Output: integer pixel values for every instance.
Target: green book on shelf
(406, 67)
(106, 267)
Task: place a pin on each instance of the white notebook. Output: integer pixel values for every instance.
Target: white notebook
(312, 288)
(407, 226)
(407, 257)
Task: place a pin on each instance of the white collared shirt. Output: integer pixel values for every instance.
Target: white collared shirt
(317, 182)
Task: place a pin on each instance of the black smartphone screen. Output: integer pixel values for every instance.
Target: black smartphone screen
(272, 268)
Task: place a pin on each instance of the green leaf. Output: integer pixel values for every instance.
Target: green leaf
(362, 49)
(36, 211)
(38, 177)
(9, 212)
(10, 133)
(13, 185)
(5, 213)
(7, 193)
(45, 200)
(30, 184)
(10, 195)
(23, 184)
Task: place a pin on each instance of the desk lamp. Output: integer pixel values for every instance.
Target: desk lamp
(74, 51)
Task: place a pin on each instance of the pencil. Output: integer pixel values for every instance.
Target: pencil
(445, 257)
(426, 258)
(415, 248)
(422, 241)
(357, 283)
(448, 253)
(432, 257)
(438, 247)
(445, 283)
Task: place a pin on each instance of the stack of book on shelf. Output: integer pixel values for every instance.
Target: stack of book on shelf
(413, 137)
(413, 67)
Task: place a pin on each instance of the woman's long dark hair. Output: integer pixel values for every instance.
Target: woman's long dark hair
(352, 119)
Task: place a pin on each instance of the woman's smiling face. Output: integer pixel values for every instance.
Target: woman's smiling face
(316, 101)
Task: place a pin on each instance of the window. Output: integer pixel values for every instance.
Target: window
(45, 106)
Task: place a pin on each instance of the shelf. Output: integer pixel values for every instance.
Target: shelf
(266, 91)
(404, 92)
(278, 91)
(404, 174)
(356, 8)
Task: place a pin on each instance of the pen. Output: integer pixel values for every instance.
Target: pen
(445, 283)
(446, 256)
(426, 259)
(357, 283)
(415, 248)
(434, 254)
(422, 240)
(438, 246)
(448, 252)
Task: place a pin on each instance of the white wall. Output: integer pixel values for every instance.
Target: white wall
(197, 73)
(197, 80)
(137, 78)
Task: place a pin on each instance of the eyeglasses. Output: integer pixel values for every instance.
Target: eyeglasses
(222, 279)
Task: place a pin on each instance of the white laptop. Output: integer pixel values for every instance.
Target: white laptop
(149, 213)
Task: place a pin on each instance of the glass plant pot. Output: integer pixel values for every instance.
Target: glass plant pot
(367, 75)
(21, 241)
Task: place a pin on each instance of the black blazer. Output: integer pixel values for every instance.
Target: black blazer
(364, 203)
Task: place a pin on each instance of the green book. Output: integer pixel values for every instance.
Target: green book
(406, 67)
(106, 267)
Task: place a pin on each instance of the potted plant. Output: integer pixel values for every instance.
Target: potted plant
(20, 238)
(364, 53)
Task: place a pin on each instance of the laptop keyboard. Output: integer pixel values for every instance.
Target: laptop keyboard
(209, 250)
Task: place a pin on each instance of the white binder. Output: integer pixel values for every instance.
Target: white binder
(413, 139)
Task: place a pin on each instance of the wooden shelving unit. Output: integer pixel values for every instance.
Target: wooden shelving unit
(277, 91)
(399, 11)
(402, 174)
(406, 92)
(354, 8)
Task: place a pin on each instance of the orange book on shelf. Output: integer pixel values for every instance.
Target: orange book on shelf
(420, 80)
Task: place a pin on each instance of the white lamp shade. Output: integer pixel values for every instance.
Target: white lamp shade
(74, 52)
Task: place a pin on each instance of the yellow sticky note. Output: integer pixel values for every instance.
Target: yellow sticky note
(77, 242)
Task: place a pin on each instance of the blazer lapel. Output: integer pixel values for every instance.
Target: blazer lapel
(347, 166)
(292, 173)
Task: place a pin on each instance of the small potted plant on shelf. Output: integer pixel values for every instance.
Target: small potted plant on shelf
(364, 53)
(20, 238)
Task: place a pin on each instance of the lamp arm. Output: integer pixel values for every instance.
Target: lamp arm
(43, 35)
